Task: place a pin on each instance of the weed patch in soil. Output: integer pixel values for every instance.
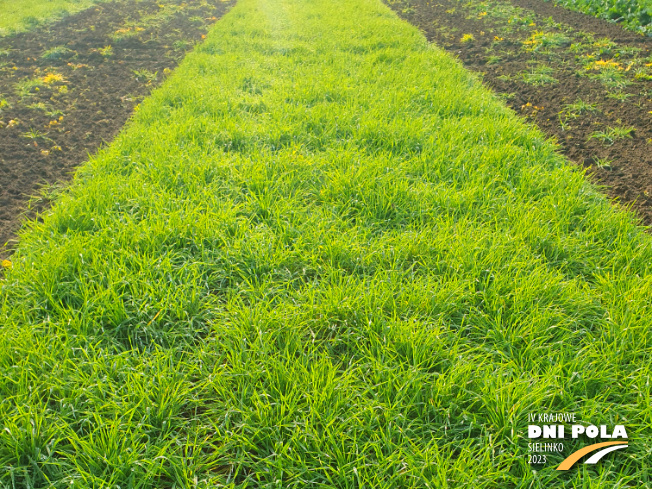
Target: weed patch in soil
(585, 82)
(68, 87)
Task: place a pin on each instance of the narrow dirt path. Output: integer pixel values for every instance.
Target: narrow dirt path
(583, 81)
(67, 88)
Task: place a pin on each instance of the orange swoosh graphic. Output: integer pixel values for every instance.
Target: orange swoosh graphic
(575, 456)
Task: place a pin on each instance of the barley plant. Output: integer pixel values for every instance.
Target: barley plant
(322, 255)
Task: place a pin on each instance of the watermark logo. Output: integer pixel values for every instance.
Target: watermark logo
(547, 433)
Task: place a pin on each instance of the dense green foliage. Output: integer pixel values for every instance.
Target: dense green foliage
(322, 255)
(635, 14)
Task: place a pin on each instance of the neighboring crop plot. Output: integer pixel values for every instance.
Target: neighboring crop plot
(68, 87)
(585, 82)
(20, 15)
(634, 14)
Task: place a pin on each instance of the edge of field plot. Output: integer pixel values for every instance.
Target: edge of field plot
(69, 87)
(322, 254)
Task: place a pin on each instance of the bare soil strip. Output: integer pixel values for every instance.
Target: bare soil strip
(585, 82)
(67, 88)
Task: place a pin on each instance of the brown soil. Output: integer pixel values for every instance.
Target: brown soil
(517, 45)
(58, 106)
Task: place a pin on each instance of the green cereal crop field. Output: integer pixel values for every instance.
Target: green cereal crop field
(322, 254)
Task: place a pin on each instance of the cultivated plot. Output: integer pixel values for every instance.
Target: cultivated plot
(68, 87)
(26, 14)
(586, 83)
(322, 255)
